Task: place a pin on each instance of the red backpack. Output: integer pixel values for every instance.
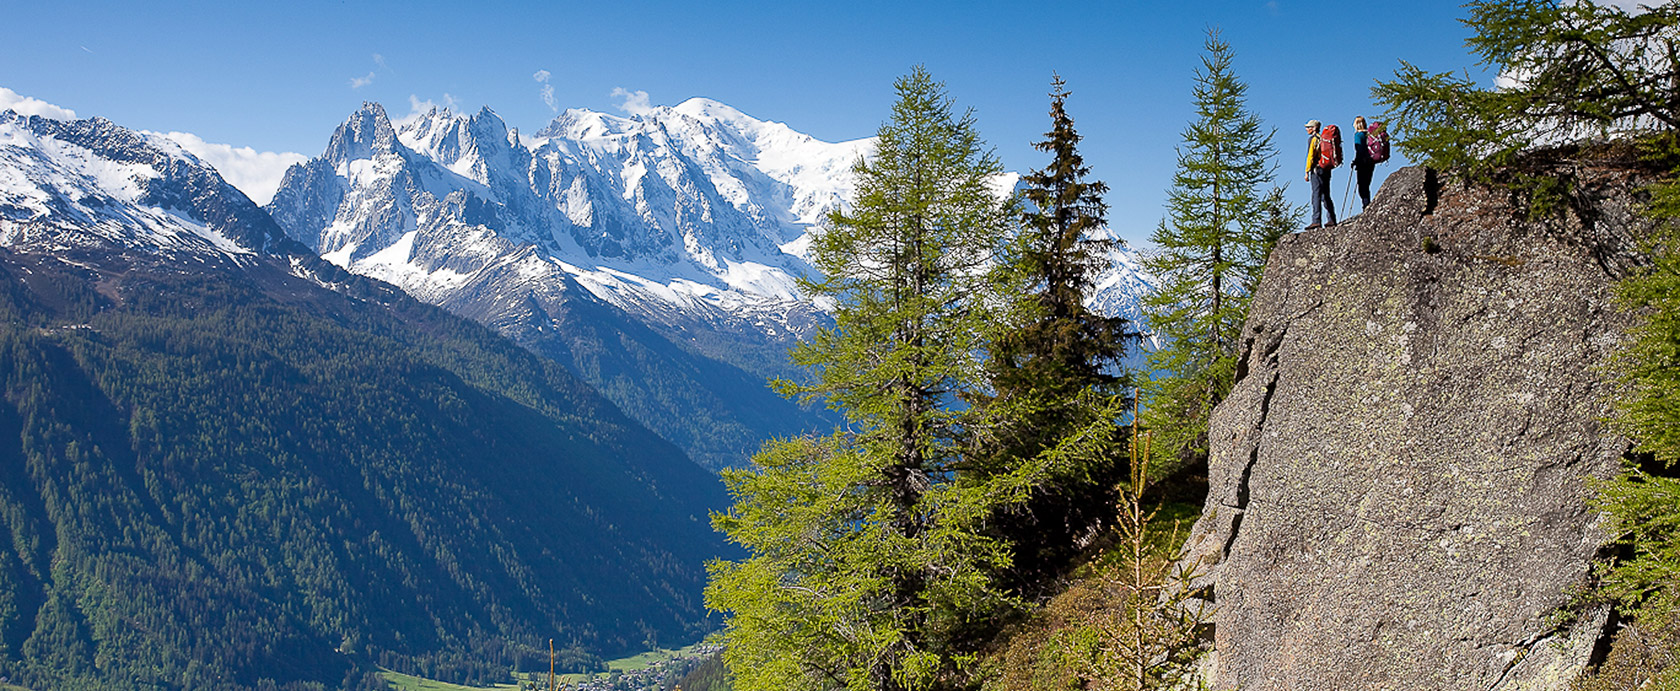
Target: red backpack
(1329, 147)
(1376, 142)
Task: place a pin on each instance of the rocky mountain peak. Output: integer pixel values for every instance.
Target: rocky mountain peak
(708, 109)
(580, 124)
(448, 138)
(95, 184)
(367, 133)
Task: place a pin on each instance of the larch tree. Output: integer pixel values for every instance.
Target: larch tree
(867, 566)
(1568, 71)
(1221, 224)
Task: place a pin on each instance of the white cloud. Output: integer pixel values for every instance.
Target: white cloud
(24, 105)
(417, 108)
(379, 62)
(1511, 80)
(634, 103)
(256, 173)
(547, 90)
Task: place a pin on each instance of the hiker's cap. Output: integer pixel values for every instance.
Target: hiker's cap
(1313, 124)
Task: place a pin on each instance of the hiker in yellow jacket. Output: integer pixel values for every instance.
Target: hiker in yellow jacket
(1318, 176)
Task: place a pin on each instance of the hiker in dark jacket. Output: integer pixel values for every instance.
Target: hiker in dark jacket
(1318, 176)
(1362, 163)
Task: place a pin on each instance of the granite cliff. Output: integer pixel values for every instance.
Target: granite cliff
(1399, 478)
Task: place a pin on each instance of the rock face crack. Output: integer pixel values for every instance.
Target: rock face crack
(1523, 649)
(1242, 363)
(1419, 451)
(1431, 191)
(1253, 459)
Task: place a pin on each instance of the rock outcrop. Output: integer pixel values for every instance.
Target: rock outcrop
(1399, 480)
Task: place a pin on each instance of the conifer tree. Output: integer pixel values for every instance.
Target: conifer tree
(1055, 362)
(1155, 639)
(1643, 502)
(866, 566)
(1568, 71)
(1221, 226)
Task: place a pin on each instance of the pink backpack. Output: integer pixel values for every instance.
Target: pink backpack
(1376, 142)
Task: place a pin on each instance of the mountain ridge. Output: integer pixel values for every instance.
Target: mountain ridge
(239, 464)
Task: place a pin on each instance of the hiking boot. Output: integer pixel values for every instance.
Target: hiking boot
(1315, 226)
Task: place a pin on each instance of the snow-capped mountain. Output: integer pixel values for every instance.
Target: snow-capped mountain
(692, 214)
(688, 212)
(92, 184)
(650, 262)
(1119, 291)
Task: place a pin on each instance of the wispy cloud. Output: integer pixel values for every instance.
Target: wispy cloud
(418, 107)
(634, 102)
(256, 173)
(547, 90)
(379, 64)
(24, 105)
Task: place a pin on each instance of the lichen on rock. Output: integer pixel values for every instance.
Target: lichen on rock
(1398, 494)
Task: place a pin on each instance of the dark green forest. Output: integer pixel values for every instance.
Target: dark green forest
(231, 477)
(709, 675)
(666, 378)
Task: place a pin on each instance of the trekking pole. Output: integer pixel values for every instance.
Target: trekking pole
(1345, 191)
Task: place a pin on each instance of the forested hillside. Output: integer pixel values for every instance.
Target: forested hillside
(220, 475)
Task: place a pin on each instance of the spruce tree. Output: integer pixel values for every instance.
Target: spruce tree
(867, 568)
(1055, 364)
(1220, 227)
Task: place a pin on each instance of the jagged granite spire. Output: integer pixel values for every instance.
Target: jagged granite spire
(366, 134)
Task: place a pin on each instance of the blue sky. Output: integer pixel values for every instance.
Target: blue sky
(279, 76)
